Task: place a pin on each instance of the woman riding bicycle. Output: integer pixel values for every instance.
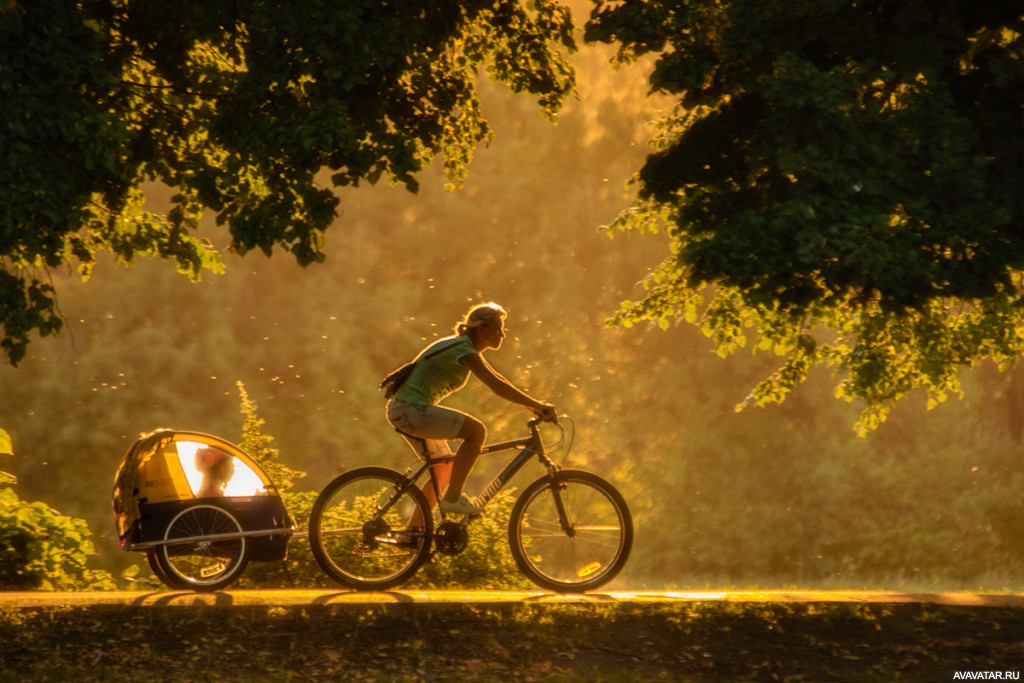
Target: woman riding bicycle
(441, 369)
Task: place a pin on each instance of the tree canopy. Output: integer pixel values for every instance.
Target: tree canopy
(840, 180)
(242, 106)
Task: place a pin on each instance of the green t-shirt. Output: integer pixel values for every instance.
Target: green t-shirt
(436, 377)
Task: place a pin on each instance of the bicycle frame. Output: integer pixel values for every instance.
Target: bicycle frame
(529, 447)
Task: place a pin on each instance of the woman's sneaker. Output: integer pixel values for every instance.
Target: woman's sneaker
(463, 506)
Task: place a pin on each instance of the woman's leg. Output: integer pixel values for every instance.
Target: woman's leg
(437, 448)
(473, 433)
(435, 423)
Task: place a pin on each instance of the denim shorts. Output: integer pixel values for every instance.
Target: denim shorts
(425, 422)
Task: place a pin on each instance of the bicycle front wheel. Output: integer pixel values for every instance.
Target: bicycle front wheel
(570, 532)
(369, 529)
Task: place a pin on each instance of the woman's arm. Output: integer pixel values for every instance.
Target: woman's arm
(503, 388)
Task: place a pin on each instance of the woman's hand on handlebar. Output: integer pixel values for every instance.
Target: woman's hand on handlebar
(546, 412)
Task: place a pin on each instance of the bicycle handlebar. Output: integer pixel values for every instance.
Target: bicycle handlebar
(534, 421)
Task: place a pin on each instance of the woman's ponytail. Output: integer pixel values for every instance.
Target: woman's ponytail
(481, 314)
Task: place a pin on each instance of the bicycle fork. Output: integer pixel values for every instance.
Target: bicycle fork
(557, 486)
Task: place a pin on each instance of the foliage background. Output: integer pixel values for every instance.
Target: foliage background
(770, 497)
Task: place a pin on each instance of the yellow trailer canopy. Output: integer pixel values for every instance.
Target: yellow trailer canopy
(168, 465)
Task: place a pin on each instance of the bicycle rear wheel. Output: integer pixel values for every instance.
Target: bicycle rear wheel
(576, 552)
(359, 529)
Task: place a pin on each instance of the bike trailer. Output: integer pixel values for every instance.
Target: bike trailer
(166, 472)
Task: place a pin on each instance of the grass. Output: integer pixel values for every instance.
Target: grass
(699, 641)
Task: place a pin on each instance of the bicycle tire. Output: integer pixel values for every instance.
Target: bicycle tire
(357, 546)
(589, 554)
(204, 565)
(158, 572)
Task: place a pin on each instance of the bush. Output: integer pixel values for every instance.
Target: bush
(41, 548)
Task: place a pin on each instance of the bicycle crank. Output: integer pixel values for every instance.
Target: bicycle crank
(451, 537)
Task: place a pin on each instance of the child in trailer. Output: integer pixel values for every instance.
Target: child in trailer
(217, 468)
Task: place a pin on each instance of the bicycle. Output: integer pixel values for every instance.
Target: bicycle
(569, 531)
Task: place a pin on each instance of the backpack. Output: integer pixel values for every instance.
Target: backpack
(394, 379)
